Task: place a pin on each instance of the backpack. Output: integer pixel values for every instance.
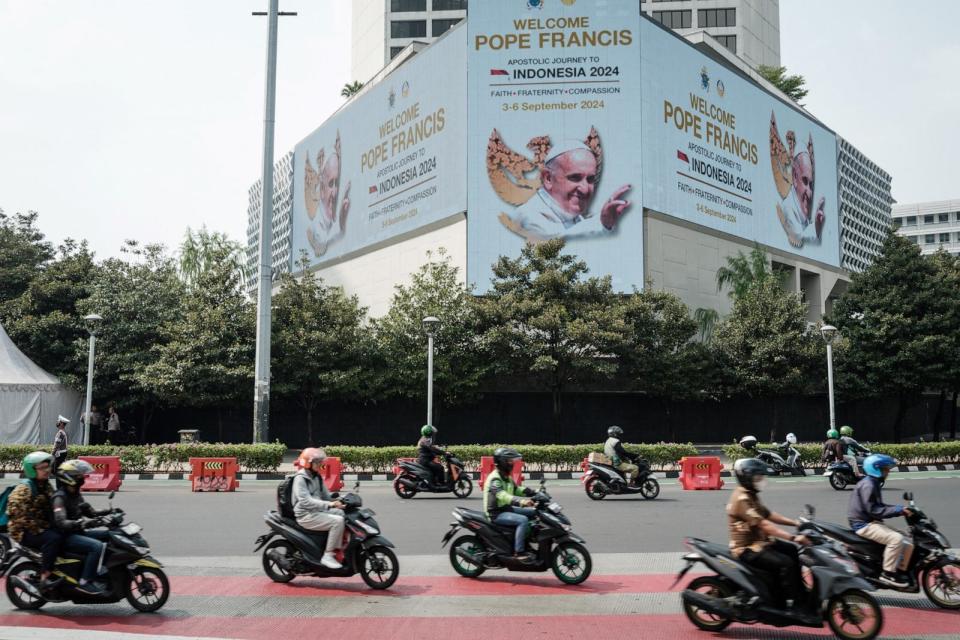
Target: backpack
(5, 497)
(285, 496)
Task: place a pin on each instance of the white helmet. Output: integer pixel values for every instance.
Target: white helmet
(792, 438)
(748, 442)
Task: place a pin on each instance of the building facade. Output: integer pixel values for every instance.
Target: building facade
(282, 223)
(865, 205)
(932, 225)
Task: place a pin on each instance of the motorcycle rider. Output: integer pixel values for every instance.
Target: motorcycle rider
(506, 504)
(29, 514)
(851, 448)
(755, 537)
(832, 447)
(622, 459)
(75, 518)
(313, 506)
(865, 513)
(427, 451)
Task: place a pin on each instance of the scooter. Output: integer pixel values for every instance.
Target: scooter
(415, 478)
(132, 573)
(736, 592)
(784, 458)
(488, 546)
(931, 564)
(289, 550)
(840, 474)
(602, 480)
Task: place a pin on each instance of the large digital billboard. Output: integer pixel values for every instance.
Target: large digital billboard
(390, 162)
(722, 153)
(555, 135)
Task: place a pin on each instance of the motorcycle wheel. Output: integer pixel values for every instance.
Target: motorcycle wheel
(147, 589)
(711, 586)
(650, 488)
(463, 487)
(595, 489)
(404, 492)
(942, 585)
(838, 481)
(466, 568)
(20, 598)
(273, 570)
(379, 567)
(854, 615)
(571, 562)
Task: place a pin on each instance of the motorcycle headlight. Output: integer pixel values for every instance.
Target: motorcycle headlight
(567, 527)
(131, 529)
(142, 550)
(371, 530)
(555, 508)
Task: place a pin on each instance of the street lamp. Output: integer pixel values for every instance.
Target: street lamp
(430, 326)
(829, 333)
(93, 323)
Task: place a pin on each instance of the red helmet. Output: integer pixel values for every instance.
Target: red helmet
(310, 455)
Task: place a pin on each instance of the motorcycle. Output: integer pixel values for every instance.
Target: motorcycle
(489, 546)
(289, 550)
(840, 473)
(602, 480)
(931, 565)
(416, 478)
(132, 573)
(784, 457)
(736, 592)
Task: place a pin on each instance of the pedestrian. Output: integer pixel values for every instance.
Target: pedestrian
(113, 426)
(94, 424)
(60, 442)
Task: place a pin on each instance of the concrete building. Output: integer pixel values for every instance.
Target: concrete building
(282, 223)
(932, 225)
(865, 202)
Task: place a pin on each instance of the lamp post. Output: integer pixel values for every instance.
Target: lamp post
(93, 323)
(430, 326)
(829, 333)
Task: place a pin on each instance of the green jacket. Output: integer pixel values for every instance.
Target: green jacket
(500, 493)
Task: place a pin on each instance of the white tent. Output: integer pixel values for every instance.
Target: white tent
(31, 399)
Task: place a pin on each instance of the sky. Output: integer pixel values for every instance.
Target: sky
(138, 118)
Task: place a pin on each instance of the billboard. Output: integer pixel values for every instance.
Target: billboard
(722, 153)
(554, 143)
(390, 162)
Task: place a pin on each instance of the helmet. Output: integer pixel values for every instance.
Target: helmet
(833, 433)
(748, 442)
(310, 455)
(747, 470)
(876, 463)
(31, 460)
(792, 438)
(846, 431)
(72, 472)
(503, 459)
(62, 420)
(427, 431)
(615, 432)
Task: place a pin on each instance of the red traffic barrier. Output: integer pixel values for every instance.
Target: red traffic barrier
(397, 469)
(332, 474)
(106, 473)
(213, 474)
(700, 472)
(487, 467)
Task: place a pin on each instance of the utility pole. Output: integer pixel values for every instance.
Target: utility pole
(261, 398)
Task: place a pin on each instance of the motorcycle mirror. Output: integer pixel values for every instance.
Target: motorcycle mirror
(543, 482)
(112, 493)
(908, 495)
(811, 511)
(356, 487)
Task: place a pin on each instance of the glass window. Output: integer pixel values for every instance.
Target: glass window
(930, 238)
(395, 51)
(400, 6)
(944, 237)
(674, 19)
(449, 5)
(914, 239)
(408, 29)
(716, 18)
(730, 42)
(440, 27)
(927, 219)
(958, 216)
(911, 221)
(943, 217)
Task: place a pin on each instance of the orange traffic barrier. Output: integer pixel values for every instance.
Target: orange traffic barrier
(332, 473)
(106, 473)
(213, 474)
(700, 472)
(487, 467)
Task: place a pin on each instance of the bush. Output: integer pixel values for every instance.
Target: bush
(906, 454)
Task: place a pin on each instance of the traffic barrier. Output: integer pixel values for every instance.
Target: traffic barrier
(106, 473)
(487, 467)
(397, 469)
(700, 472)
(332, 474)
(213, 474)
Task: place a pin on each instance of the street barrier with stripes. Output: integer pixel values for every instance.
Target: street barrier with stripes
(213, 474)
(106, 473)
(700, 472)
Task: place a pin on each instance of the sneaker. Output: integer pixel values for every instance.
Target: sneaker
(526, 557)
(894, 580)
(330, 562)
(49, 583)
(90, 588)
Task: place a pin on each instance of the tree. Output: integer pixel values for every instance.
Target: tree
(205, 358)
(546, 320)
(351, 89)
(23, 253)
(896, 319)
(948, 273)
(201, 249)
(460, 364)
(321, 347)
(793, 86)
(742, 272)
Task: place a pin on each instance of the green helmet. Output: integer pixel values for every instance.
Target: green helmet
(833, 433)
(427, 431)
(31, 461)
(846, 431)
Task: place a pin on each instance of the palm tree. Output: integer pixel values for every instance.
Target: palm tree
(199, 249)
(351, 89)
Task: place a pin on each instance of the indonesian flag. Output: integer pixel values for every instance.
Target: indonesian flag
(373, 189)
(499, 72)
(681, 155)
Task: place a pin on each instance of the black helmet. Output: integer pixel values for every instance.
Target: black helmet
(503, 459)
(746, 470)
(615, 432)
(72, 472)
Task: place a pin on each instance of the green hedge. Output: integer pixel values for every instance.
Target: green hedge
(163, 458)
(911, 453)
